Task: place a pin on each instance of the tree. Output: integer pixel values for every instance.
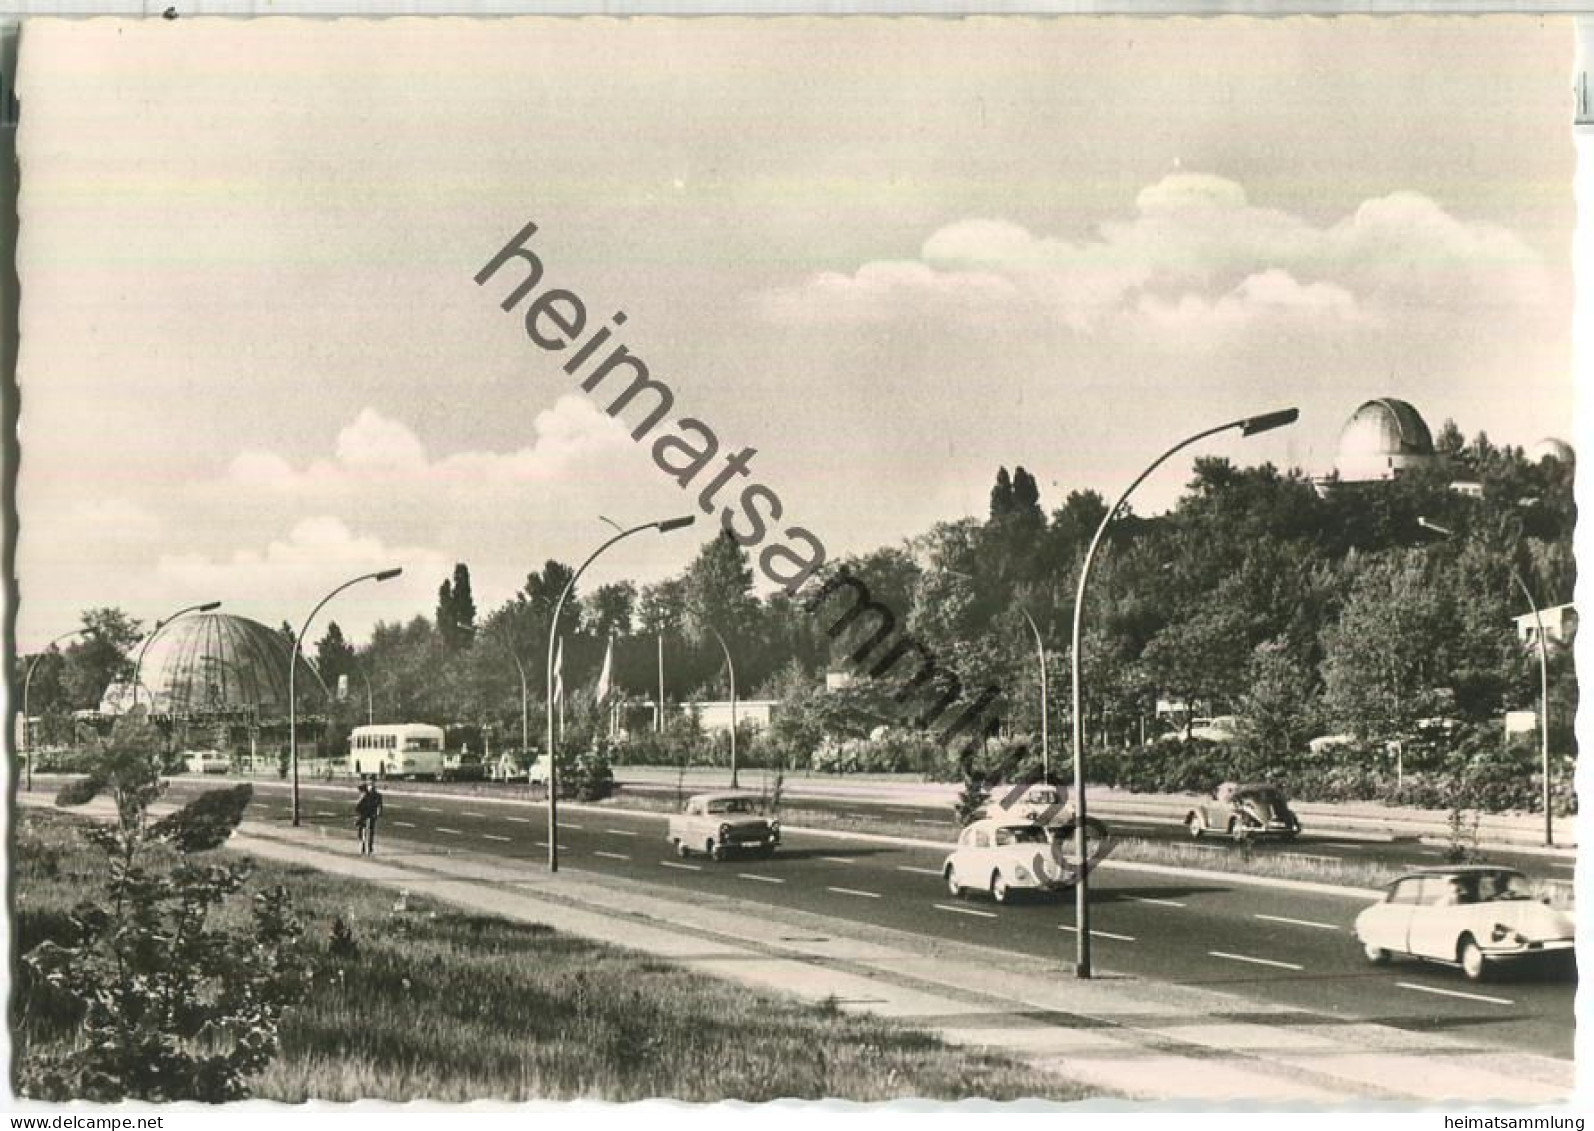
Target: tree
(100, 657)
(456, 609)
(719, 589)
(173, 1007)
(610, 610)
(1278, 704)
(334, 656)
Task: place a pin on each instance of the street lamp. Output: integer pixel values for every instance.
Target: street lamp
(27, 736)
(732, 667)
(1040, 652)
(1249, 426)
(1544, 682)
(160, 626)
(663, 526)
(525, 728)
(293, 665)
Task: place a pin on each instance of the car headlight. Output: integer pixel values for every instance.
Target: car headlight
(725, 830)
(1022, 873)
(1501, 933)
(774, 827)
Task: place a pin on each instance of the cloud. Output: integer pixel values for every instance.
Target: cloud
(1197, 255)
(293, 573)
(377, 449)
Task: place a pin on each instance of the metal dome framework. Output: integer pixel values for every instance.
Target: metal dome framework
(215, 666)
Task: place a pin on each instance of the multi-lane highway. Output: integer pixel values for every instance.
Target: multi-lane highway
(1270, 943)
(934, 820)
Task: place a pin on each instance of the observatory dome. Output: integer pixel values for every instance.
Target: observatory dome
(1381, 439)
(213, 664)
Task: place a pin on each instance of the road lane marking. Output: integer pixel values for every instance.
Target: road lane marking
(1257, 961)
(1298, 922)
(320, 814)
(851, 891)
(1339, 844)
(519, 820)
(686, 867)
(920, 871)
(451, 832)
(964, 910)
(1455, 993)
(490, 836)
(838, 859)
(404, 824)
(544, 844)
(760, 879)
(568, 825)
(466, 813)
(613, 855)
(429, 809)
(1149, 899)
(615, 832)
(1099, 934)
(923, 821)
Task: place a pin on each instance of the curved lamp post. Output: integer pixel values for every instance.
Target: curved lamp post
(525, 711)
(1249, 426)
(293, 665)
(1544, 683)
(663, 526)
(1040, 653)
(27, 735)
(160, 626)
(724, 647)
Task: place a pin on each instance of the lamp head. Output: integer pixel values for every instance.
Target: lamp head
(389, 574)
(1434, 526)
(670, 524)
(208, 607)
(1268, 421)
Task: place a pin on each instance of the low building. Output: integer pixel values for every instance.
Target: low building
(714, 716)
(1560, 626)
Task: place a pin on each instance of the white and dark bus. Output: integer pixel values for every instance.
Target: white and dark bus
(398, 750)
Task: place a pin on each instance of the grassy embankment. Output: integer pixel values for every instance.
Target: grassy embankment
(440, 1004)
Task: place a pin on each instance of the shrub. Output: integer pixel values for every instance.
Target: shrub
(168, 1006)
(207, 821)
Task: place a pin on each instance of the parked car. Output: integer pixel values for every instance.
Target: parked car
(463, 766)
(1244, 812)
(206, 762)
(1002, 855)
(1473, 916)
(537, 773)
(719, 824)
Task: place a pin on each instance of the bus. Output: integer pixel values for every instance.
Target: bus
(396, 750)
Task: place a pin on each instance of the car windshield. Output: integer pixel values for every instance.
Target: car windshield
(1021, 834)
(730, 805)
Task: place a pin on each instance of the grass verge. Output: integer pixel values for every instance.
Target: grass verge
(436, 1003)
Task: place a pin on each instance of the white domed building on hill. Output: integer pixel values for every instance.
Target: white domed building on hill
(1383, 439)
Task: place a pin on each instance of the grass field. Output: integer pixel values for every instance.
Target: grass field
(440, 1004)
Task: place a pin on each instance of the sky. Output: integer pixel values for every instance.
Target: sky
(889, 255)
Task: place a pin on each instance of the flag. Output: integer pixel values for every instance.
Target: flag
(605, 675)
(559, 671)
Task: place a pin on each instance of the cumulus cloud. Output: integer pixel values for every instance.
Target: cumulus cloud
(379, 449)
(1197, 254)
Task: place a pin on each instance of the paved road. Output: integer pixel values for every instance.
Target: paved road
(1271, 944)
(936, 821)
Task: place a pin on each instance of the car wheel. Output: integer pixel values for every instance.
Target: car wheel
(1471, 958)
(952, 885)
(1377, 955)
(1236, 830)
(681, 850)
(1196, 825)
(999, 889)
(716, 850)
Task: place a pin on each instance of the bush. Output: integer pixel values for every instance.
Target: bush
(207, 821)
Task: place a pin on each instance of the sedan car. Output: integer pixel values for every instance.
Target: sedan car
(1002, 856)
(719, 824)
(1244, 812)
(1473, 917)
